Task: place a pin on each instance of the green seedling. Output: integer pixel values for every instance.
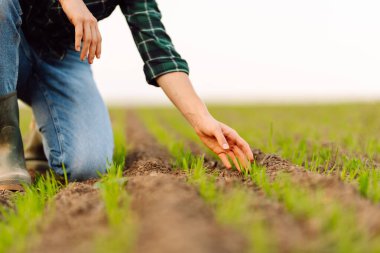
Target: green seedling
(19, 224)
(121, 233)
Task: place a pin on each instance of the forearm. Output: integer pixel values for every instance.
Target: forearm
(178, 88)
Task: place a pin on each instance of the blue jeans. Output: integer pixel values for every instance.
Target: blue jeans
(69, 111)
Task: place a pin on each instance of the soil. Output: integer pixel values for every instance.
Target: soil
(147, 156)
(175, 219)
(77, 216)
(5, 198)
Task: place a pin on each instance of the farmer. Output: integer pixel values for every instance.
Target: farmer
(46, 50)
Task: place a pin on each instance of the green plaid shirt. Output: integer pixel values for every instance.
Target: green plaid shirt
(49, 31)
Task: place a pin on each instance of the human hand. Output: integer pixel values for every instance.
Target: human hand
(86, 29)
(224, 141)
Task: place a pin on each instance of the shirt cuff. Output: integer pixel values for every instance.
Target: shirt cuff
(154, 70)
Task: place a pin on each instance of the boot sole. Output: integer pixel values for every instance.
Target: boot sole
(12, 187)
(14, 181)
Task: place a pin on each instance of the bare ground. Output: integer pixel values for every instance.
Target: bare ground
(173, 218)
(5, 198)
(78, 214)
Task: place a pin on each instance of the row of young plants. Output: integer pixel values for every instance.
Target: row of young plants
(336, 224)
(298, 136)
(120, 235)
(233, 207)
(19, 223)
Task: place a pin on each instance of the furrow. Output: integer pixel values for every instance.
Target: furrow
(78, 215)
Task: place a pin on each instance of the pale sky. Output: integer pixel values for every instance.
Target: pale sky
(254, 51)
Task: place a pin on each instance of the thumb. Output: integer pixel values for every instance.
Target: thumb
(221, 139)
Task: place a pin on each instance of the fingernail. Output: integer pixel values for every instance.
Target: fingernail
(225, 146)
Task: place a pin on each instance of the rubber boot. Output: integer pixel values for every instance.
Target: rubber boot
(13, 172)
(35, 158)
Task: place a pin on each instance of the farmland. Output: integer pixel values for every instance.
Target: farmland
(314, 187)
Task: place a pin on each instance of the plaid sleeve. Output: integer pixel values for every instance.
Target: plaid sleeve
(152, 41)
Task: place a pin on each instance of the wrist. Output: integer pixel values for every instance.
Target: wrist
(196, 117)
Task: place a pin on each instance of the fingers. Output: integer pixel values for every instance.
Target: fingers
(221, 139)
(99, 46)
(78, 36)
(233, 154)
(244, 146)
(86, 41)
(234, 160)
(225, 160)
(93, 45)
(234, 138)
(236, 147)
(242, 158)
(88, 32)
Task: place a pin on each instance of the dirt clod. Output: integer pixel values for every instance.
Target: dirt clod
(5, 198)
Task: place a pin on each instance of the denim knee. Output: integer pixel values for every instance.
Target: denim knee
(82, 164)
